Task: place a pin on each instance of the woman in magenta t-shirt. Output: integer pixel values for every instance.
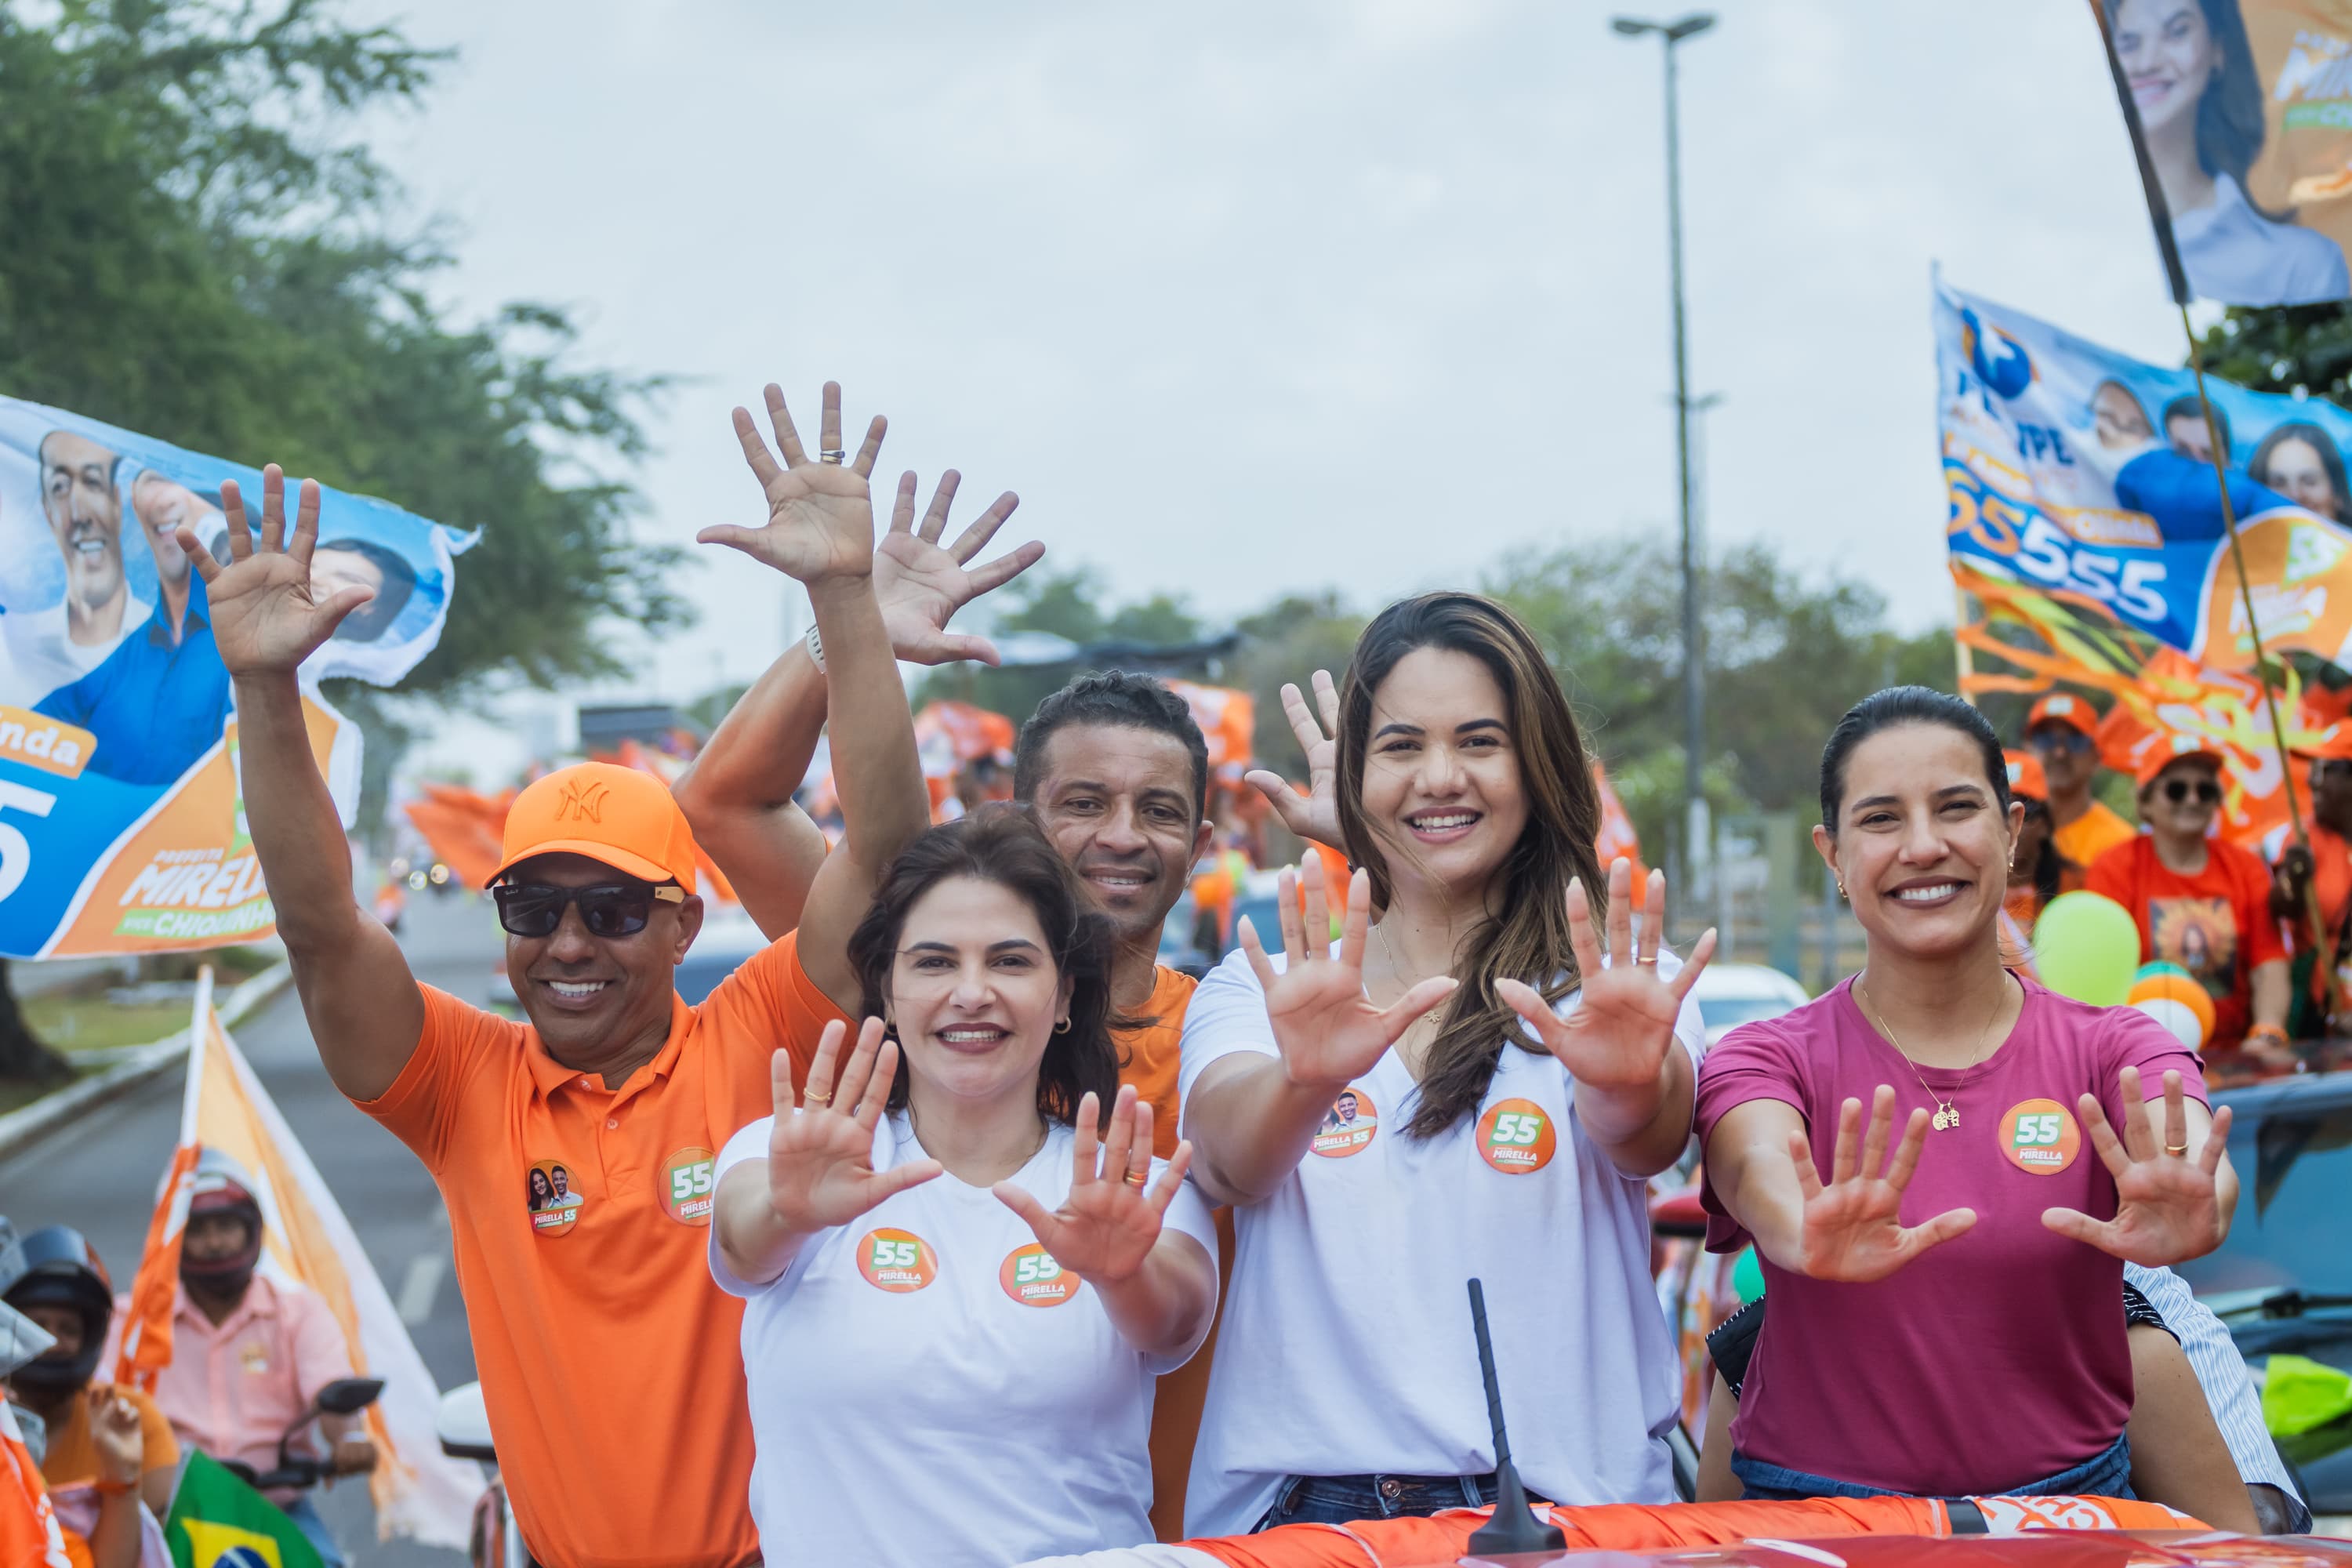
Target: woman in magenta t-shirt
(1948, 1322)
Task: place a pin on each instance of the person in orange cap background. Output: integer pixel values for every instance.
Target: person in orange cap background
(2037, 871)
(2202, 902)
(2325, 866)
(614, 1078)
(2062, 732)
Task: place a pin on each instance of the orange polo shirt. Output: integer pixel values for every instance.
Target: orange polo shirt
(1148, 1056)
(610, 1364)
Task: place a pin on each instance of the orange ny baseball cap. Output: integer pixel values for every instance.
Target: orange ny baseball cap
(625, 819)
(2065, 708)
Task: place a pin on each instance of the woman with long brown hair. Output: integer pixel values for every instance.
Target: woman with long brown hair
(1379, 1150)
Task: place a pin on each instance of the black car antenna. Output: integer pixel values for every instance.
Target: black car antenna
(1514, 1526)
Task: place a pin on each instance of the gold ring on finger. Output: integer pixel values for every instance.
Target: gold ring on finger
(2176, 1148)
(819, 1100)
(832, 455)
(1137, 1178)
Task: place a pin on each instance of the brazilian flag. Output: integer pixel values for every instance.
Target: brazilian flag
(218, 1522)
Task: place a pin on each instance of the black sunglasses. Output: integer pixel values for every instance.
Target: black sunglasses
(2207, 792)
(608, 910)
(2059, 737)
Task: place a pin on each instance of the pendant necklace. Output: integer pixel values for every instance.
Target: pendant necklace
(1947, 1115)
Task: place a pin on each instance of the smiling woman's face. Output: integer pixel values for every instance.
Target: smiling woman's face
(2169, 54)
(1922, 845)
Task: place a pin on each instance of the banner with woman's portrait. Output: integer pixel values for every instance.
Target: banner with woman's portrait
(122, 822)
(2245, 113)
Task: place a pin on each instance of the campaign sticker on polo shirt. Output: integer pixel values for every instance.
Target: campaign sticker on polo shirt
(1515, 1137)
(1030, 1277)
(2040, 1136)
(897, 1261)
(687, 1184)
(1347, 1126)
(554, 1205)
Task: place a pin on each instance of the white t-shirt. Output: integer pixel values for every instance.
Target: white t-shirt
(1347, 1347)
(928, 1388)
(2233, 254)
(41, 646)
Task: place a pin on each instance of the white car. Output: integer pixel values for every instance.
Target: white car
(1730, 994)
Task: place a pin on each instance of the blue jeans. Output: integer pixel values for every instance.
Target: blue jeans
(1337, 1499)
(305, 1515)
(2105, 1474)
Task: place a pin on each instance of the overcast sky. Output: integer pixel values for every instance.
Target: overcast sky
(1249, 297)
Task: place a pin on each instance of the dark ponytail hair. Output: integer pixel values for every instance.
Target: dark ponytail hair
(1890, 708)
(1002, 844)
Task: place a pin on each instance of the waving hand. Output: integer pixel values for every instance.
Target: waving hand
(1619, 1033)
(266, 619)
(1107, 1227)
(1852, 1227)
(921, 582)
(821, 1157)
(1328, 1030)
(1315, 817)
(2168, 1205)
(820, 511)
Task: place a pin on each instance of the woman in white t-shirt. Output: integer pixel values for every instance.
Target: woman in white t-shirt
(962, 1278)
(1380, 1154)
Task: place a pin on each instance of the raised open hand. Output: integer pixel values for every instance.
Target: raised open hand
(1619, 1033)
(2167, 1206)
(266, 620)
(1317, 815)
(821, 1157)
(1852, 1227)
(921, 582)
(820, 510)
(1105, 1227)
(1328, 1030)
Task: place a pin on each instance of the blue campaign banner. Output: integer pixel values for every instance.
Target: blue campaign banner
(116, 721)
(2079, 472)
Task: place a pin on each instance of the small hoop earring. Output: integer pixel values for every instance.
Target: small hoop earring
(1063, 1027)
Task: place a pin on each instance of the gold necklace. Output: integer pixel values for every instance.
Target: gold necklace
(1947, 1115)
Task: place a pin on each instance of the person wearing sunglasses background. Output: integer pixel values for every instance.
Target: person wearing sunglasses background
(616, 1090)
(2062, 732)
(2202, 903)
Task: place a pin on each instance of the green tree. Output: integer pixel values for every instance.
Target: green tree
(196, 250)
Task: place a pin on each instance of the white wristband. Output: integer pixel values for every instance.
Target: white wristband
(815, 647)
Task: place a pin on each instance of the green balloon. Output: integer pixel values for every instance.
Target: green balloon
(1748, 1276)
(2088, 947)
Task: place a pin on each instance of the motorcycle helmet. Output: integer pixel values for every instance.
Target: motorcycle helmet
(56, 1267)
(221, 1186)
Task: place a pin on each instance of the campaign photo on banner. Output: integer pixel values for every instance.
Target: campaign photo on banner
(2245, 111)
(113, 701)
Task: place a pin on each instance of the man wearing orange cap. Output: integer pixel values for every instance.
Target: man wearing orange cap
(2202, 902)
(616, 1082)
(2037, 871)
(2062, 732)
(2325, 866)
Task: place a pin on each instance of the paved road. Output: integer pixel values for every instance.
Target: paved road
(99, 1175)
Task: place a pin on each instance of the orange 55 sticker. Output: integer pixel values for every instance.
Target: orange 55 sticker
(2040, 1136)
(1515, 1137)
(897, 1261)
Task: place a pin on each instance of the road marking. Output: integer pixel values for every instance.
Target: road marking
(426, 1271)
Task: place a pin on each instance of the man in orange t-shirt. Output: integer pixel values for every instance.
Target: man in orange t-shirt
(2325, 866)
(574, 1152)
(2201, 902)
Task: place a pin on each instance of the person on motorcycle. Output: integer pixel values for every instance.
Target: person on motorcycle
(54, 1277)
(251, 1350)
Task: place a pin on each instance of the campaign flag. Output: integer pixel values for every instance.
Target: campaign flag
(28, 1526)
(1617, 838)
(419, 1492)
(2081, 479)
(146, 1339)
(2240, 113)
(1228, 721)
(218, 1522)
(120, 825)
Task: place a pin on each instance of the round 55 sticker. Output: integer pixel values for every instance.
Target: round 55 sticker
(686, 1185)
(1515, 1137)
(2040, 1136)
(1030, 1277)
(897, 1261)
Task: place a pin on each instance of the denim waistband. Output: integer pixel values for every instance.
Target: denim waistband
(2105, 1474)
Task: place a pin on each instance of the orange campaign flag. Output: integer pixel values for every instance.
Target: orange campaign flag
(29, 1537)
(1228, 721)
(147, 1320)
(1617, 838)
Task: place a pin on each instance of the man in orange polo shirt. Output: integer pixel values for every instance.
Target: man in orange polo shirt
(608, 1364)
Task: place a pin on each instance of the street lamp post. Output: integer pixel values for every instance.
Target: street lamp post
(1695, 834)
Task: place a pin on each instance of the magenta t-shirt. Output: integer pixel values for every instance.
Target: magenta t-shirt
(1997, 1359)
